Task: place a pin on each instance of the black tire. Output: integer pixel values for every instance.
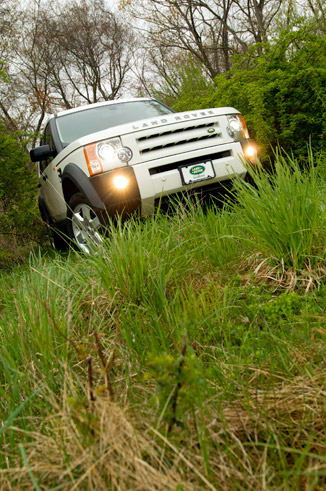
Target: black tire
(57, 239)
(85, 224)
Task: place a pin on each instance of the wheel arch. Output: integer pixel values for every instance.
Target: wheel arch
(69, 188)
(74, 180)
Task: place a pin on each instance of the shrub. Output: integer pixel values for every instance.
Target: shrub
(281, 93)
(19, 218)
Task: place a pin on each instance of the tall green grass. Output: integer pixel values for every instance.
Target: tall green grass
(43, 310)
(163, 360)
(283, 214)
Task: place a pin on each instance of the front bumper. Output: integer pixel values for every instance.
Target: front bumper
(118, 202)
(161, 177)
(153, 180)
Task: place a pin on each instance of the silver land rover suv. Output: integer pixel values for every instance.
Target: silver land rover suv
(120, 157)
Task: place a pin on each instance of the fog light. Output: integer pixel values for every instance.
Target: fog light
(250, 151)
(120, 182)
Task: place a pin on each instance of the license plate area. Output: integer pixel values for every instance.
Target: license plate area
(197, 172)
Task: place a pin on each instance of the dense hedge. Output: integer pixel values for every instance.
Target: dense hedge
(282, 93)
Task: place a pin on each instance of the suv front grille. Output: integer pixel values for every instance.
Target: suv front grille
(179, 136)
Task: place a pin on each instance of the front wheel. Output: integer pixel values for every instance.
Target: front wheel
(84, 224)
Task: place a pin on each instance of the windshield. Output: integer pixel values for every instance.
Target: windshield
(82, 123)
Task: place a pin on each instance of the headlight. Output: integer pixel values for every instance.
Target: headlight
(124, 154)
(108, 149)
(237, 128)
(108, 154)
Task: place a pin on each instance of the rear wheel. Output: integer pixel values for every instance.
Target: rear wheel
(85, 224)
(58, 240)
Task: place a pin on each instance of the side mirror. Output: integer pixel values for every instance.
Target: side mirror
(41, 153)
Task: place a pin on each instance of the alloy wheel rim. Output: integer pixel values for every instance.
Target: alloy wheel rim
(86, 226)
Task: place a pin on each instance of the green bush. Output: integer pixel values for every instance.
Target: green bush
(281, 93)
(19, 217)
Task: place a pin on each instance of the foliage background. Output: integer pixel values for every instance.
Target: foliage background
(20, 225)
(281, 93)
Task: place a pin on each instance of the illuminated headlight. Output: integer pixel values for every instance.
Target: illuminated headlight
(108, 149)
(237, 128)
(234, 123)
(107, 154)
(120, 182)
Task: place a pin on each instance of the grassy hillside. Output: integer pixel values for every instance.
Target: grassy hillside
(188, 353)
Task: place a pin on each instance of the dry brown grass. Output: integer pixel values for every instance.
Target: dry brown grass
(282, 421)
(270, 270)
(104, 451)
(102, 446)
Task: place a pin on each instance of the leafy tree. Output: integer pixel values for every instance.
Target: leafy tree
(182, 77)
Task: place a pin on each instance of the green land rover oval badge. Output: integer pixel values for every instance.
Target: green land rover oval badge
(198, 169)
(211, 130)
